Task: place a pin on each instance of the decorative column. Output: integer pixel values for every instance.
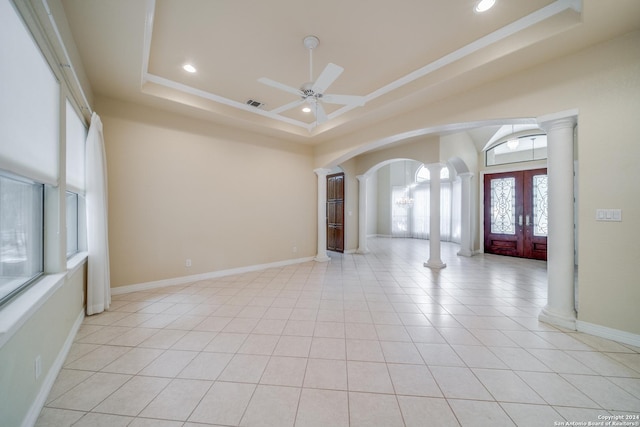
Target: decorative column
(465, 214)
(560, 308)
(362, 215)
(321, 255)
(434, 217)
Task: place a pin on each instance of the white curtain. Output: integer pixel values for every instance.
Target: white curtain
(399, 212)
(420, 212)
(456, 211)
(98, 280)
(449, 212)
(445, 211)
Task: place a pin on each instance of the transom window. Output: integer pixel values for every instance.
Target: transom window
(515, 150)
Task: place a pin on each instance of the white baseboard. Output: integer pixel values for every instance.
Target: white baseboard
(204, 276)
(609, 333)
(37, 405)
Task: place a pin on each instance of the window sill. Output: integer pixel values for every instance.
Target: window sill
(76, 261)
(16, 312)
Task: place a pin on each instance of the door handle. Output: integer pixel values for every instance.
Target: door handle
(520, 220)
(528, 223)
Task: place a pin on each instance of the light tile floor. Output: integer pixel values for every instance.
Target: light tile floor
(362, 340)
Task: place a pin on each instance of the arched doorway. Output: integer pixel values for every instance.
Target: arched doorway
(396, 201)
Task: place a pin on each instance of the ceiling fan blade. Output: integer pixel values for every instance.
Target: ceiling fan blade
(321, 115)
(280, 86)
(344, 99)
(287, 107)
(330, 73)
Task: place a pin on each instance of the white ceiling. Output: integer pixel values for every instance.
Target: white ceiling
(396, 54)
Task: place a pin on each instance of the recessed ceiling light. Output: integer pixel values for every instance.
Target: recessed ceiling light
(306, 110)
(189, 68)
(484, 5)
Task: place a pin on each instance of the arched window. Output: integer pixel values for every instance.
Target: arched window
(519, 149)
(423, 174)
(444, 173)
(416, 212)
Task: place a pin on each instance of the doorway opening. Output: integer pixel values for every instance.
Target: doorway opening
(515, 214)
(335, 212)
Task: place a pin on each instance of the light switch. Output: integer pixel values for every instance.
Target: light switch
(617, 214)
(609, 215)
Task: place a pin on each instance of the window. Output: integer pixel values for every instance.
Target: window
(21, 235)
(72, 223)
(503, 206)
(423, 174)
(410, 213)
(30, 158)
(75, 151)
(521, 149)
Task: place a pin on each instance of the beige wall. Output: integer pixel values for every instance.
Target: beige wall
(424, 149)
(44, 334)
(184, 189)
(609, 156)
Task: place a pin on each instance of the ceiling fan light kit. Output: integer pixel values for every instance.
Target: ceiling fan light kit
(312, 92)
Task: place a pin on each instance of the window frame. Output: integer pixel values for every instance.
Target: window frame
(24, 282)
(505, 141)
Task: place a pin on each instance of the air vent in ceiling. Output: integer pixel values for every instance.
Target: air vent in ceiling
(254, 103)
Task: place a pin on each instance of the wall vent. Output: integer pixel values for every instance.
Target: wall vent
(254, 103)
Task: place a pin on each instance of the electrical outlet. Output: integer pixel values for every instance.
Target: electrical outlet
(295, 249)
(187, 262)
(38, 366)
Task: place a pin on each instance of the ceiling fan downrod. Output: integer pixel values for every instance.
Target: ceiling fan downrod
(311, 42)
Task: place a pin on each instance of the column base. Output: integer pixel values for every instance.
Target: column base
(435, 264)
(362, 251)
(322, 258)
(565, 320)
(465, 252)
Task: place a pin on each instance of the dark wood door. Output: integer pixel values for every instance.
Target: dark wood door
(515, 214)
(335, 212)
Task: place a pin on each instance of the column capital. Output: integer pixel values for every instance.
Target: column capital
(322, 171)
(558, 120)
(362, 178)
(466, 175)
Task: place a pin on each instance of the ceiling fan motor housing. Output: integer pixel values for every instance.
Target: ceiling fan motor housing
(307, 89)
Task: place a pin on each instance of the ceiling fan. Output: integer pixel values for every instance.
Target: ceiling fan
(312, 92)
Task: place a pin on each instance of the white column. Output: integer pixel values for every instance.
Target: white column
(434, 217)
(362, 215)
(321, 255)
(465, 214)
(560, 308)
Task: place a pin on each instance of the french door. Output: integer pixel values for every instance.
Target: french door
(515, 214)
(335, 212)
